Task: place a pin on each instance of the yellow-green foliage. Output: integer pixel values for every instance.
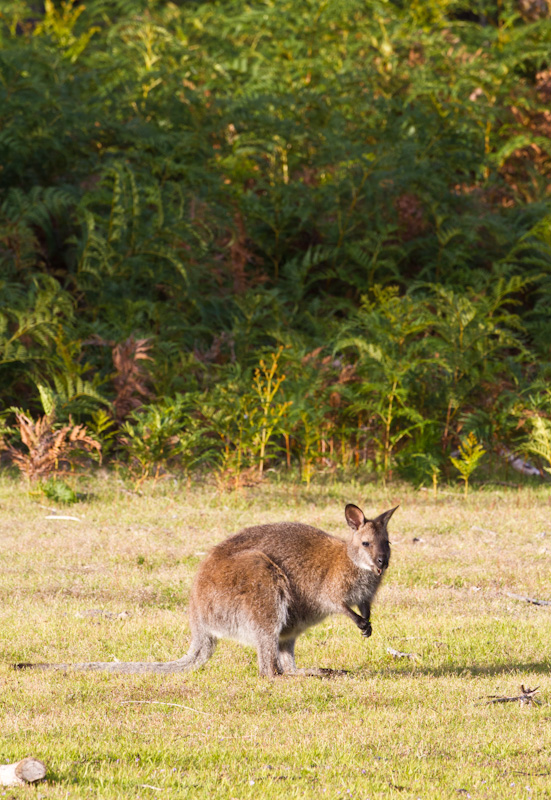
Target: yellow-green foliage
(268, 412)
(470, 454)
(539, 441)
(361, 182)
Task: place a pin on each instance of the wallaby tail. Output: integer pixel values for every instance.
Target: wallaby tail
(199, 652)
(127, 667)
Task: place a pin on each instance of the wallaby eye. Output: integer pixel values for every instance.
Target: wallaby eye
(366, 544)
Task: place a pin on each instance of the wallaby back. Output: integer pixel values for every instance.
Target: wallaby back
(267, 584)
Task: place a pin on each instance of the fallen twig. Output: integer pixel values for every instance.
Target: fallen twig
(525, 698)
(501, 483)
(532, 600)
(161, 703)
(62, 516)
(533, 774)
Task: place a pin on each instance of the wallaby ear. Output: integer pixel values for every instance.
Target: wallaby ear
(385, 516)
(354, 516)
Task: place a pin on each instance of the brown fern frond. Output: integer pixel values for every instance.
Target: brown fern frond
(39, 440)
(531, 10)
(241, 264)
(79, 433)
(48, 446)
(130, 380)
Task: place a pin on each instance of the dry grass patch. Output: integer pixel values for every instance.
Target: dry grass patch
(116, 583)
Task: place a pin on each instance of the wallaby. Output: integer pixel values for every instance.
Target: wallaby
(269, 583)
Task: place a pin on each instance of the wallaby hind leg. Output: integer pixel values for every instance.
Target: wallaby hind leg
(269, 664)
(287, 655)
(260, 608)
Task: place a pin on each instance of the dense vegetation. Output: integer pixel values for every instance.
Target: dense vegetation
(304, 232)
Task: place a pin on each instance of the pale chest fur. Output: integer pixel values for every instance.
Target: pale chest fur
(362, 587)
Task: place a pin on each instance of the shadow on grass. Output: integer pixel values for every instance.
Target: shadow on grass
(465, 670)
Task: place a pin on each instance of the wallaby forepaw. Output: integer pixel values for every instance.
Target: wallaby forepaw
(365, 627)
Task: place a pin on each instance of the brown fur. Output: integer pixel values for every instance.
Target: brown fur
(269, 583)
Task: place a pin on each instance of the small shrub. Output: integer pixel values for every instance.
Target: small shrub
(539, 441)
(49, 446)
(268, 412)
(58, 490)
(247, 412)
(471, 452)
(104, 430)
(161, 434)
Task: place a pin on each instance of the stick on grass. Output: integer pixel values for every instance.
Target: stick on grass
(533, 600)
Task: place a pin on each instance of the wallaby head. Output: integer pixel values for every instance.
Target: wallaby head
(369, 547)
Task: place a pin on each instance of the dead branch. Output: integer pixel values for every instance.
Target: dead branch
(483, 530)
(29, 770)
(522, 466)
(525, 698)
(532, 600)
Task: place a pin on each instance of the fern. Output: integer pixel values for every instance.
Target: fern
(49, 445)
(470, 454)
(29, 323)
(224, 178)
(539, 440)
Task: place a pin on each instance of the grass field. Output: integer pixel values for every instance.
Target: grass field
(114, 585)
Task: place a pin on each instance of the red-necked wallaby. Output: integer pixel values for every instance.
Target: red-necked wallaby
(269, 583)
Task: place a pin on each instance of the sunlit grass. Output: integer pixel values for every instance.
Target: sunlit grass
(116, 583)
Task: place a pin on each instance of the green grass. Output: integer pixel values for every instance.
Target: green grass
(392, 728)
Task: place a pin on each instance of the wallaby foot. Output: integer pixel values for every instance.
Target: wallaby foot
(269, 664)
(365, 627)
(287, 655)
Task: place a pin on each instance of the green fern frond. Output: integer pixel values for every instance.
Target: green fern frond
(539, 441)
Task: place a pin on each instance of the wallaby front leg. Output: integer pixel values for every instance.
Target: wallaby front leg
(363, 624)
(365, 611)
